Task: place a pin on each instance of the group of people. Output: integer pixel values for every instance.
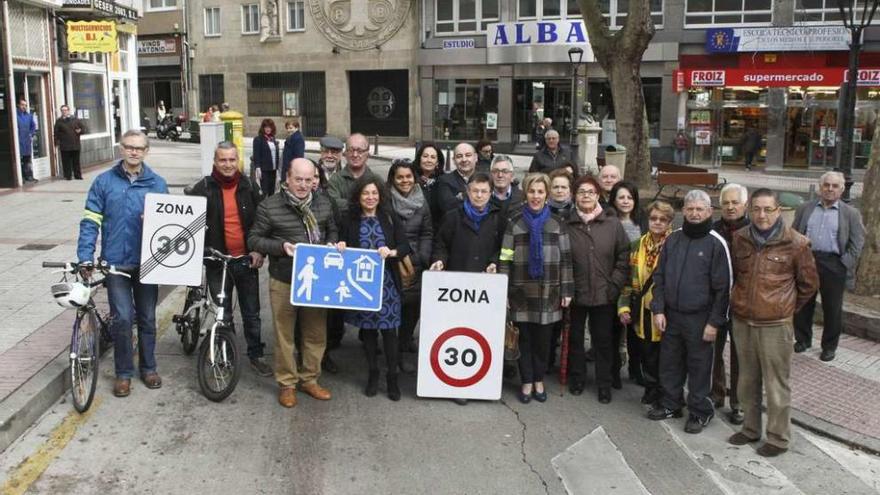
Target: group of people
(67, 131)
(569, 243)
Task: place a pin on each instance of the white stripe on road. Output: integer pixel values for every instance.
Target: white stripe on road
(865, 467)
(735, 470)
(594, 464)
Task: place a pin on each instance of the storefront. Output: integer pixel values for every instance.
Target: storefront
(161, 75)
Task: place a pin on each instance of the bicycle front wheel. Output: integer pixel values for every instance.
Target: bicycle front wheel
(84, 358)
(218, 378)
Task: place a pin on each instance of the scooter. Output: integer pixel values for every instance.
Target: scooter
(167, 128)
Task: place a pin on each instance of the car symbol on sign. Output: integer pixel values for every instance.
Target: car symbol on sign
(333, 259)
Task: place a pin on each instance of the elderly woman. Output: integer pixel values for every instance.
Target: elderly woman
(560, 201)
(408, 201)
(634, 304)
(536, 254)
(267, 156)
(600, 254)
(372, 225)
(429, 167)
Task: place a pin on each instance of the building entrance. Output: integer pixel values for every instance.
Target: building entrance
(536, 99)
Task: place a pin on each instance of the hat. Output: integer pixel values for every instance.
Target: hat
(331, 142)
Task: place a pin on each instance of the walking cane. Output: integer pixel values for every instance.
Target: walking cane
(563, 358)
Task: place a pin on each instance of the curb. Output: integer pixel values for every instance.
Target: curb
(23, 407)
(821, 427)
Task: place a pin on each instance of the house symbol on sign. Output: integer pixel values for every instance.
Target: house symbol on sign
(366, 269)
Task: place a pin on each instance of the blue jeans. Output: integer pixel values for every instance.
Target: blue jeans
(132, 302)
(246, 282)
(680, 157)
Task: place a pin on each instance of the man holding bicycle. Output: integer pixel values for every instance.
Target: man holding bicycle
(232, 207)
(115, 208)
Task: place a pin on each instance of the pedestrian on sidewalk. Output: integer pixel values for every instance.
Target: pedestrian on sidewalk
(67, 133)
(751, 145)
(115, 209)
(452, 187)
(296, 215)
(294, 147)
(27, 129)
(734, 201)
(340, 185)
(232, 207)
(837, 236)
(681, 147)
(775, 275)
(267, 156)
(691, 296)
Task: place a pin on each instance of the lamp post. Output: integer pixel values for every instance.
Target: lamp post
(575, 56)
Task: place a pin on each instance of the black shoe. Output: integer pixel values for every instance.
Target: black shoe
(696, 424)
(740, 438)
(736, 417)
(260, 367)
(509, 371)
(372, 383)
(657, 413)
(718, 403)
(523, 397)
(604, 395)
(827, 355)
(616, 384)
(329, 365)
(393, 389)
(78, 178)
(460, 402)
(539, 396)
(576, 388)
(768, 450)
(800, 347)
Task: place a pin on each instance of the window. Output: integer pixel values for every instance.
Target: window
(154, 5)
(212, 21)
(266, 94)
(88, 100)
(296, 15)
(823, 11)
(250, 19)
(210, 90)
(725, 12)
(465, 16)
(460, 108)
(614, 11)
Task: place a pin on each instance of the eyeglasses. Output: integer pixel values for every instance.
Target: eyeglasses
(139, 149)
(658, 219)
(356, 151)
(586, 193)
(767, 211)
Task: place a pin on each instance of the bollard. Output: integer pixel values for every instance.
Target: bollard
(448, 158)
(376, 145)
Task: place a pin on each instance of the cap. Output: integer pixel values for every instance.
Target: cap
(331, 142)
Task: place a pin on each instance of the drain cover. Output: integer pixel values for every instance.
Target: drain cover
(37, 247)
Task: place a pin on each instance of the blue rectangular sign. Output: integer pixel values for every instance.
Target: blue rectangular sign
(325, 278)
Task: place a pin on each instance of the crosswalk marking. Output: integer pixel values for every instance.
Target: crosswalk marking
(594, 464)
(865, 467)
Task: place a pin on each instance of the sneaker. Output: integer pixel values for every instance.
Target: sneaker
(657, 413)
(260, 367)
(696, 424)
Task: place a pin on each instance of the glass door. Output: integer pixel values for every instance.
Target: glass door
(31, 88)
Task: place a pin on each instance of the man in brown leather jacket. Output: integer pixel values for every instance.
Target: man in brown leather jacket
(774, 276)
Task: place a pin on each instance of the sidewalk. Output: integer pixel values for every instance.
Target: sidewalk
(839, 399)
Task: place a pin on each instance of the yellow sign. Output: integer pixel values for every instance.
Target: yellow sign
(91, 36)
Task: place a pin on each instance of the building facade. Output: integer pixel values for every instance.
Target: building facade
(337, 67)
(162, 59)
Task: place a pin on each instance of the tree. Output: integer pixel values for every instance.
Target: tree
(619, 53)
(855, 22)
(868, 273)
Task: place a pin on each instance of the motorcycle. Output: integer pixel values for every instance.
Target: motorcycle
(170, 127)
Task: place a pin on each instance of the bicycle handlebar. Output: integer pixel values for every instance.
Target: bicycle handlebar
(74, 267)
(215, 255)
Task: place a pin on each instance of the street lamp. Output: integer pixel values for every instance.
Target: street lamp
(575, 56)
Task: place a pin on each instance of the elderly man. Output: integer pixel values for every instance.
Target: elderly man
(67, 137)
(836, 232)
(734, 199)
(552, 156)
(331, 155)
(452, 187)
(775, 275)
(283, 221)
(505, 194)
(608, 177)
(115, 209)
(357, 152)
(691, 295)
(232, 206)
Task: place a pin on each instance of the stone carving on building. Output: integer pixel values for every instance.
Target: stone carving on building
(359, 24)
(270, 22)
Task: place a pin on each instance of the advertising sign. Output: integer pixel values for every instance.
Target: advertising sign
(91, 36)
(777, 39)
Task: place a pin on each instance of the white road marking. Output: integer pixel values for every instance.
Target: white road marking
(864, 466)
(594, 464)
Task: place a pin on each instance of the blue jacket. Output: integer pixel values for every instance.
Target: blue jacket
(115, 207)
(27, 127)
(294, 147)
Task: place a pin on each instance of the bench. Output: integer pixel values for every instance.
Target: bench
(671, 175)
(674, 167)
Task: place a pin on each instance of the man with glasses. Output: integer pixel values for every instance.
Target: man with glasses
(775, 275)
(836, 231)
(505, 193)
(452, 187)
(115, 209)
(357, 152)
(691, 296)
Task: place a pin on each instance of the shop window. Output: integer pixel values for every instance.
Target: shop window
(461, 108)
(212, 21)
(700, 13)
(88, 100)
(464, 16)
(290, 94)
(210, 91)
(824, 11)
(296, 15)
(600, 98)
(159, 5)
(250, 19)
(614, 11)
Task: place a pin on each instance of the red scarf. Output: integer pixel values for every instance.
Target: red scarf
(224, 181)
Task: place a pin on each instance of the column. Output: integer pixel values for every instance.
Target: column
(776, 119)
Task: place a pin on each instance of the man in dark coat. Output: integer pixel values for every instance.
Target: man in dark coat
(452, 187)
(505, 194)
(751, 144)
(67, 132)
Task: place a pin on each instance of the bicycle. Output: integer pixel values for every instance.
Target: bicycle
(219, 357)
(90, 335)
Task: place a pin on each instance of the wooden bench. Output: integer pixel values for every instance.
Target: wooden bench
(674, 167)
(695, 177)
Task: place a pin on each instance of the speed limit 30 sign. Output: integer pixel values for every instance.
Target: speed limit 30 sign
(461, 335)
(173, 240)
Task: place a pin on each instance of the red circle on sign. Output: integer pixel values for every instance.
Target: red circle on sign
(455, 332)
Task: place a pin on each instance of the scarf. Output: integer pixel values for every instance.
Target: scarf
(224, 181)
(406, 206)
(304, 208)
(652, 252)
(535, 221)
(731, 227)
(589, 217)
(474, 215)
(697, 230)
(762, 236)
(559, 206)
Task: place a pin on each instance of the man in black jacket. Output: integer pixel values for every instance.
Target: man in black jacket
(67, 132)
(691, 297)
(452, 187)
(232, 206)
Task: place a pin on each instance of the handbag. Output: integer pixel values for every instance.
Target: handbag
(511, 341)
(407, 272)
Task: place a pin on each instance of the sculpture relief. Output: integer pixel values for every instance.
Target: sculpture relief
(270, 22)
(359, 24)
